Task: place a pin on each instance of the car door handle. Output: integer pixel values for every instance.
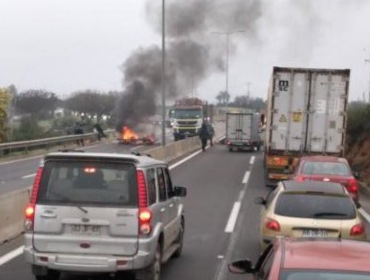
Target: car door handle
(48, 215)
(163, 209)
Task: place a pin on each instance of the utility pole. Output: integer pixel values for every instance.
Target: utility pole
(228, 34)
(368, 61)
(163, 74)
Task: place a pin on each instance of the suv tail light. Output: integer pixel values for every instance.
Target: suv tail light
(145, 215)
(145, 219)
(272, 224)
(30, 210)
(352, 185)
(358, 229)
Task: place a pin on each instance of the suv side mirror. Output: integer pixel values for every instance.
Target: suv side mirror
(179, 191)
(241, 267)
(356, 174)
(260, 200)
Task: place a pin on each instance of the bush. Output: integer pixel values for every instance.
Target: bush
(28, 129)
(358, 124)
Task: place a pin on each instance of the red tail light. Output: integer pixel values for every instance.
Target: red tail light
(352, 185)
(145, 215)
(145, 219)
(30, 210)
(143, 199)
(358, 229)
(272, 224)
(299, 179)
(228, 143)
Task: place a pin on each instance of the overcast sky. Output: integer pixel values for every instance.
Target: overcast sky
(69, 45)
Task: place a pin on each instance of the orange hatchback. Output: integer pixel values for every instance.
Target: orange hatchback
(327, 169)
(309, 259)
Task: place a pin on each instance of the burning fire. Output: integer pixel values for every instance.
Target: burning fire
(129, 134)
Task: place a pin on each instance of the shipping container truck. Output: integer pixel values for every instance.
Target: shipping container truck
(242, 131)
(306, 115)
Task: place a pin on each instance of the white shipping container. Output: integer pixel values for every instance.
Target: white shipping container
(307, 110)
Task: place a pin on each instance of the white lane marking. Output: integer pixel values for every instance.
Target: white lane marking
(220, 257)
(365, 215)
(233, 217)
(19, 160)
(185, 159)
(246, 177)
(11, 255)
(252, 160)
(29, 176)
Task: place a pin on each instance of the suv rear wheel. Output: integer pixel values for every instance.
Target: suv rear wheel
(40, 273)
(153, 271)
(180, 239)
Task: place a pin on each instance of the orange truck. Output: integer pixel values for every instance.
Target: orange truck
(306, 115)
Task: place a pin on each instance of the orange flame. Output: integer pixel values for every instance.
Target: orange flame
(129, 134)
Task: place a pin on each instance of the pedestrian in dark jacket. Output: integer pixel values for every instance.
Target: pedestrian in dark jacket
(204, 135)
(100, 131)
(79, 130)
(211, 131)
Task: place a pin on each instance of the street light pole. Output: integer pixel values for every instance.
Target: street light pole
(228, 34)
(368, 61)
(163, 74)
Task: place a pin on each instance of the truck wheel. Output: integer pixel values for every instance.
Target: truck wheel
(258, 148)
(153, 271)
(180, 239)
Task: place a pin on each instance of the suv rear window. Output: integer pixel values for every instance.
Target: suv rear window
(317, 206)
(96, 183)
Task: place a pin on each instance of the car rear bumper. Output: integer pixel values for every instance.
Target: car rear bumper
(92, 263)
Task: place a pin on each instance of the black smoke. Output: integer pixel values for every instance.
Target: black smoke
(193, 53)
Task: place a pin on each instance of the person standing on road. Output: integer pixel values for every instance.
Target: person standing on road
(211, 131)
(204, 135)
(78, 131)
(100, 131)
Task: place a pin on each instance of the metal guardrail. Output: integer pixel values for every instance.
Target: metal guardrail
(24, 145)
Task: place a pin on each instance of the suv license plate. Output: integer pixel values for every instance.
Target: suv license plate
(315, 233)
(85, 230)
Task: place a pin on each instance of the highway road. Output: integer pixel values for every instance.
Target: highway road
(222, 222)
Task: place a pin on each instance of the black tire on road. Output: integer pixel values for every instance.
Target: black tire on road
(231, 149)
(180, 240)
(153, 271)
(51, 275)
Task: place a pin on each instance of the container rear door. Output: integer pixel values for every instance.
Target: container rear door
(326, 128)
(239, 127)
(87, 207)
(288, 110)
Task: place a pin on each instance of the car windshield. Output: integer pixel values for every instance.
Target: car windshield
(322, 275)
(325, 168)
(88, 183)
(316, 206)
(188, 113)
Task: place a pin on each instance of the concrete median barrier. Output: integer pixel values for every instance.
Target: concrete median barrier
(12, 206)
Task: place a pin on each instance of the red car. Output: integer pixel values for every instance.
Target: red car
(309, 259)
(327, 169)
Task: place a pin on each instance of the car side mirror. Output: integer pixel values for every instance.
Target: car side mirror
(260, 200)
(356, 174)
(241, 267)
(179, 191)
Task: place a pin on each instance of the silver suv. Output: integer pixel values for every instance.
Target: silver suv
(103, 213)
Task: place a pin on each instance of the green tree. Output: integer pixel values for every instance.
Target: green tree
(5, 100)
(38, 103)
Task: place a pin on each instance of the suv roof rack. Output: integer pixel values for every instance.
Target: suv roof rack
(140, 154)
(70, 151)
